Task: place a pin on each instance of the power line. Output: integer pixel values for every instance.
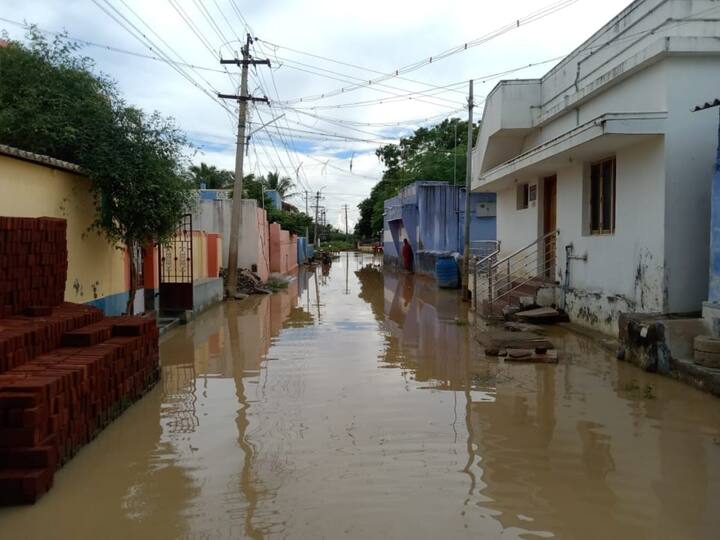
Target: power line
(305, 184)
(482, 80)
(355, 66)
(211, 21)
(110, 48)
(517, 23)
(188, 22)
(136, 33)
(380, 87)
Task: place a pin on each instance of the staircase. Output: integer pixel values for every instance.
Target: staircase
(502, 283)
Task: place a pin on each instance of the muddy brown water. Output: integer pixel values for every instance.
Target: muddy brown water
(355, 405)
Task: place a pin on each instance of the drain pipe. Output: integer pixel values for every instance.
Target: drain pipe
(569, 257)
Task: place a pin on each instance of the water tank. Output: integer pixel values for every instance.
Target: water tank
(447, 272)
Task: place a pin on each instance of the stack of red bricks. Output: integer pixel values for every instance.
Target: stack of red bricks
(33, 264)
(65, 373)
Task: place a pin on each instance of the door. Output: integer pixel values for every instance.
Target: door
(549, 225)
(176, 269)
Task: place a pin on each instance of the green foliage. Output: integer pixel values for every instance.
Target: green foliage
(338, 245)
(295, 222)
(437, 154)
(283, 185)
(275, 284)
(213, 177)
(53, 103)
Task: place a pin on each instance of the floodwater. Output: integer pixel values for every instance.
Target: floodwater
(355, 405)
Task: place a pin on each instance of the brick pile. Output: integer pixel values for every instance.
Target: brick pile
(66, 371)
(33, 264)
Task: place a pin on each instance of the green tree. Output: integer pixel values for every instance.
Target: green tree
(53, 103)
(211, 176)
(437, 154)
(283, 185)
(295, 222)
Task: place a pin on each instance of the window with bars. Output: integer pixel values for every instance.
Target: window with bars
(602, 197)
(523, 196)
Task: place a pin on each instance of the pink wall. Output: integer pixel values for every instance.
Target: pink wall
(263, 245)
(283, 250)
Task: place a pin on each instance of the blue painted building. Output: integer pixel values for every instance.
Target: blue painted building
(275, 199)
(431, 215)
(711, 308)
(214, 194)
(305, 250)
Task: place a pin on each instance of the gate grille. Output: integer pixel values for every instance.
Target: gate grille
(175, 260)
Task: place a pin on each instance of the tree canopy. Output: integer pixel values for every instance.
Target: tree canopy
(437, 153)
(52, 102)
(210, 176)
(283, 185)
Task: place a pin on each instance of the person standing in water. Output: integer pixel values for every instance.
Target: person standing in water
(407, 256)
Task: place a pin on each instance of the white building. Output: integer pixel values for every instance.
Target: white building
(605, 149)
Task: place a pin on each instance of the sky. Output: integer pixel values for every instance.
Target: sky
(328, 111)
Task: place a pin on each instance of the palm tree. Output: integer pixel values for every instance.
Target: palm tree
(283, 185)
(211, 176)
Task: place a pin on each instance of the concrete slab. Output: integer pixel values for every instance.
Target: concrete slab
(704, 378)
(530, 356)
(502, 340)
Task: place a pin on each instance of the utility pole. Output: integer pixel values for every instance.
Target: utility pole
(307, 212)
(346, 223)
(317, 208)
(236, 216)
(468, 186)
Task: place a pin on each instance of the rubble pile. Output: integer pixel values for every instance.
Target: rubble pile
(518, 343)
(66, 371)
(247, 282)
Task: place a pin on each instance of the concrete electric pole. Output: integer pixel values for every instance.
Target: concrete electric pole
(468, 186)
(317, 208)
(236, 216)
(346, 223)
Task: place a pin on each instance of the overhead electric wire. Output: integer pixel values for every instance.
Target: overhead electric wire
(482, 80)
(158, 36)
(517, 23)
(348, 64)
(211, 21)
(110, 48)
(296, 169)
(147, 42)
(344, 121)
(188, 22)
(378, 87)
(375, 88)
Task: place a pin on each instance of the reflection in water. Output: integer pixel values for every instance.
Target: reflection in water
(355, 405)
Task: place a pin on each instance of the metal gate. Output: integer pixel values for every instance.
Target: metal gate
(175, 259)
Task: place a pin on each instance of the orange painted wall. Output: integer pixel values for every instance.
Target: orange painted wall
(263, 245)
(150, 267)
(213, 258)
(283, 250)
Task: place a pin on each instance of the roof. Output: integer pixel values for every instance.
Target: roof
(707, 105)
(607, 128)
(38, 158)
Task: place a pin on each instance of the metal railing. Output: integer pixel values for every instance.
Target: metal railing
(484, 256)
(530, 266)
(479, 249)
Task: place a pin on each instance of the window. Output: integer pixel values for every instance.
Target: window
(602, 197)
(523, 196)
(532, 193)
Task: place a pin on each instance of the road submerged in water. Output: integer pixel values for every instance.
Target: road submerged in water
(356, 405)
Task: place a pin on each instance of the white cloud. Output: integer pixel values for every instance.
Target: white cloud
(376, 34)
